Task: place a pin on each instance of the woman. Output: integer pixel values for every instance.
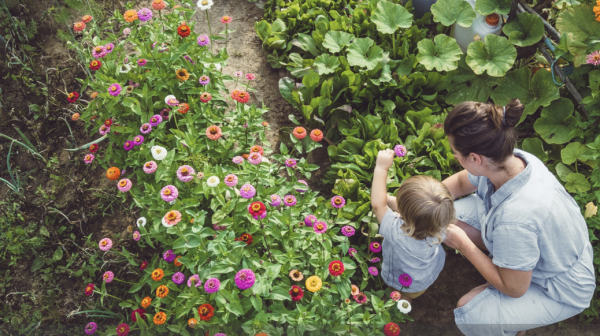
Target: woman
(521, 230)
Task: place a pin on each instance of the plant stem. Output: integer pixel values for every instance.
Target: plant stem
(226, 36)
(131, 283)
(181, 233)
(394, 45)
(209, 34)
(114, 297)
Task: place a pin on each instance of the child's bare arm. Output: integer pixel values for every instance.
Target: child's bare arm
(392, 203)
(379, 195)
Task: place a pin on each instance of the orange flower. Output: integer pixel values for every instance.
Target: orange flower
(160, 318)
(265, 124)
(184, 30)
(146, 302)
(182, 75)
(158, 4)
(316, 135)
(130, 15)
(213, 132)
(162, 291)
(157, 274)
(192, 323)
(177, 262)
(113, 173)
(245, 156)
(183, 108)
(79, 26)
(206, 312)
(299, 132)
(86, 18)
(75, 116)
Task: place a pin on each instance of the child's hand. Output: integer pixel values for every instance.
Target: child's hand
(385, 159)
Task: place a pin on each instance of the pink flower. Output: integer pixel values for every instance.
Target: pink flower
(247, 191)
(108, 276)
(338, 202)
(171, 218)
(320, 227)
(114, 90)
(150, 167)
(373, 271)
(99, 52)
(194, 279)
(593, 58)
(395, 295)
(136, 235)
(239, 74)
(146, 128)
(89, 158)
(226, 19)
(275, 200)
(405, 280)
(250, 76)
(400, 150)
(375, 247)
(303, 182)
(238, 160)
(244, 279)
(289, 200)
(231, 180)
(105, 244)
(351, 251)
(169, 193)
(104, 129)
(348, 231)
(185, 173)
(124, 185)
(310, 220)
(360, 298)
(255, 158)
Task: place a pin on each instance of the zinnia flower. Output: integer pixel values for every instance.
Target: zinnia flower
(86, 18)
(204, 80)
(124, 185)
(320, 227)
(194, 279)
(122, 329)
(178, 278)
(405, 280)
(593, 58)
(93, 148)
(75, 116)
(99, 52)
(90, 328)
(299, 132)
(143, 265)
(128, 145)
(130, 15)
(141, 312)
(126, 31)
(72, 97)
(136, 235)
(313, 283)
(205, 97)
(289, 200)
(338, 202)
(206, 312)
(275, 201)
(176, 262)
(192, 323)
(185, 173)
(182, 75)
(391, 329)
(95, 65)
(244, 279)
(226, 19)
(242, 97)
(104, 129)
(113, 173)
(146, 128)
(360, 298)
(336, 268)
(400, 150)
(247, 191)
(404, 306)
(213, 132)
(296, 275)
(108, 276)
(213, 181)
(89, 289)
(158, 4)
(351, 251)
(239, 74)
(375, 247)
(157, 274)
(231, 180)
(373, 271)
(162, 291)
(171, 218)
(171, 100)
(204, 4)
(348, 231)
(159, 318)
(142, 62)
(290, 163)
(395, 295)
(246, 238)
(316, 135)
(184, 30)
(257, 210)
(354, 290)
(203, 40)
(138, 140)
(296, 293)
(374, 260)
(212, 285)
(255, 158)
(250, 76)
(310, 220)
(109, 47)
(114, 90)
(150, 167)
(169, 256)
(303, 182)
(105, 244)
(89, 158)
(155, 120)
(158, 152)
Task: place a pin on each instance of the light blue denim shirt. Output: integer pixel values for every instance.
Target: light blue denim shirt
(532, 223)
(423, 260)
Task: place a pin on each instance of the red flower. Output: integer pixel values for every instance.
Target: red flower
(205, 97)
(89, 289)
(206, 312)
(246, 237)
(299, 132)
(94, 148)
(391, 329)
(144, 265)
(257, 149)
(183, 30)
(336, 267)
(296, 293)
(122, 329)
(257, 209)
(108, 122)
(95, 65)
(234, 94)
(183, 108)
(141, 312)
(242, 97)
(316, 135)
(72, 97)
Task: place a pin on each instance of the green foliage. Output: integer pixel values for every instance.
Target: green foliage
(580, 25)
(447, 12)
(487, 7)
(443, 55)
(526, 30)
(389, 17)
(496, 56)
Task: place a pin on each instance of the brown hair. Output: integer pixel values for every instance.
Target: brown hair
(484, 129)
(426, 206)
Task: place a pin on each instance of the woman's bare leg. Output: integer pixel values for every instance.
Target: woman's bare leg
(473, 234)
(521, 333)
(470, 295)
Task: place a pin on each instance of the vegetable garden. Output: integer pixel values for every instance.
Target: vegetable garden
(234, 235)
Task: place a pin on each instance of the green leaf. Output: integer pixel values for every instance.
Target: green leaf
(557, 122)
(361, 54)
(447, 12)
(532, 92)
(286, 87)
(443, 55)
(37, 263)
(389, 17)
(326, 64)
(535, 147)
(58, 254)
(496, 56)
(263, 30)
(487, 7)
(467, 86)
(526, 30)
(580, 25)
(577, 182)
(573, 152)
(563, 171)
(335, 40)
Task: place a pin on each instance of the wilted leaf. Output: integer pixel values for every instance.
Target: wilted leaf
(526, 30)
(496, 55)
(449, 11)
(443, 55)
(557, 122)
(389, 17)
(590, 210)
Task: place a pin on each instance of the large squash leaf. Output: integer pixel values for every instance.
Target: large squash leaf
(326, 64)
(362, 53)
(532, 92)
(496, 56)
(443, 55)
(447, 12)
(526, 30)
(389, 17)
(581, 27)
(487, 7)
(335, 40)
(557, 125)
(467, 86)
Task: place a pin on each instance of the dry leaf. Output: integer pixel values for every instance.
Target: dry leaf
(590, 210)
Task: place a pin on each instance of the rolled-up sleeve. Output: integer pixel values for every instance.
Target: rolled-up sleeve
(474, 179)
(515, 247)
(385, 228)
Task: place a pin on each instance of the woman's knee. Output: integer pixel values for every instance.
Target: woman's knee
(470, 295)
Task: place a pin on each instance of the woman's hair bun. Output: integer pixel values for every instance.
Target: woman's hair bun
(513, 112)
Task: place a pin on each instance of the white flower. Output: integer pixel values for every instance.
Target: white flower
(217, 65)
(404, 306)
(164, 223)
(228, 194)
(125, 68)
(169, 97)
(141, 221)
(158, 152)
(264, 159)
(213, 181)
(204, 4)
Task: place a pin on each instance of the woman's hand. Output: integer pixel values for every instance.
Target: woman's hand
(385, 159)
(456, 237)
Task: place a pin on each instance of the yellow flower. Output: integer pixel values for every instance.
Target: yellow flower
(314, 283)
(590, 210)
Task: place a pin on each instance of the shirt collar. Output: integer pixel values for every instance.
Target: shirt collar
(513, 184)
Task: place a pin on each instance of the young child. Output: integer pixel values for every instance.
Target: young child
(411, 224)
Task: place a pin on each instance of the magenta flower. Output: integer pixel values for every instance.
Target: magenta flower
(164, 113)
(405, 280)
(99, 52)
(374, 260)
(204, 80)
(90, 328)
(247, 191)
(146, 128)
(238, 160)
(255, 158)
(231, 180)
(155, 120)
(593, 58)
(348, 231)
(89, 158)
(373, 271)
(144, 14)
(375, 247)
(178, 278)
(136, 235)
(290, 163)
(212, 285)
(320, 227)
(250, 76)
(169, 193)
(109, 47)
(169, 256)
(218, 227)
(310, 220)
(351, 251)
(244, 279)
(150, 167)
(338, 202)
(185, 173)
(289, 200)
(171, 100)
(104, 129)
(124, 185)
(142, 62)
(108, 276)
(138, 140)
(115, 89)
(194, 279)
(400, 150)
(303, 182)
(203, 40)
(105, 244)
(128, 145)
(275, 201)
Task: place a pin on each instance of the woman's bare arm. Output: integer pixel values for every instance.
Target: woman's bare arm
(459, 184)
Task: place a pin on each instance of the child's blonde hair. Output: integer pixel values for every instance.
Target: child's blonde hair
(426, 206)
